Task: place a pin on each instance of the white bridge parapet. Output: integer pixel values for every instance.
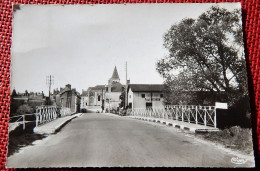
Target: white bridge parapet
(45, 114)
(203, 115)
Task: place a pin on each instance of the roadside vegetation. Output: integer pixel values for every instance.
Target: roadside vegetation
(235, 138)
(206, 64)
(20, 138)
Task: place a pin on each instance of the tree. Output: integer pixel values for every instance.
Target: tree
(206, 54)
(13, 93)
(24, 109)
(122, 98)
(14, 105)
(26, 93)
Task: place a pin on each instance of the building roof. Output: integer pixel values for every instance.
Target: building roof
(97, 87)
(84, 93)
(116, 87)
(64, 90)
(146, 87)
(115, 74)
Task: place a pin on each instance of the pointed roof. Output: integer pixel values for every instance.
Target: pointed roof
(115, 74)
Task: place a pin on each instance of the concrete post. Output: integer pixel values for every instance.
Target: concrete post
(189, 114)
(23, 122)
(215, 117)
(205, 117)
(196, 114)
(176, 113)
(182, 118)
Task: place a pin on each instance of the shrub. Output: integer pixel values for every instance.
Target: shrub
(24, 109)
(234, 137)
(14, 105)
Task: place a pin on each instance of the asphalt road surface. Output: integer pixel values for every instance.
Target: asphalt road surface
(96, 140)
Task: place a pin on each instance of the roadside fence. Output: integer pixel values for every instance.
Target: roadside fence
(15, 121)
(45, 114)
(203, 115)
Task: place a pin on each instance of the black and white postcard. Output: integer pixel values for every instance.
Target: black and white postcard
(129, 85)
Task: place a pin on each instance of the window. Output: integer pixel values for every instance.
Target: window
(86, 104)
(149, 105)
(98, 98)
(143, 95)
(161, 95)
(129, 96)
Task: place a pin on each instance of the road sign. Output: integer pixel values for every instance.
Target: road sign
(219, 105)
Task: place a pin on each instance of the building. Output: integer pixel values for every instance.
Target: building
(113, 92)
(145, 96)
(69, 99)
(103, 96)
(93, 98)
(83, 100)
(30, 97)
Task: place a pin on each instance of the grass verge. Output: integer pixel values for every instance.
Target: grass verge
(235, 138)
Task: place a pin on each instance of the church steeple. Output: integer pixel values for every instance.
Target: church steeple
(114, 79)
(115, 76)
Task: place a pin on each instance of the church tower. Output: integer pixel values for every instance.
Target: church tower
(114, 79)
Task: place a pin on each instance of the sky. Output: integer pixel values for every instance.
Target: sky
(81, 44)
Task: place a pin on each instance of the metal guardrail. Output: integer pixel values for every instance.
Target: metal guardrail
(203, 115)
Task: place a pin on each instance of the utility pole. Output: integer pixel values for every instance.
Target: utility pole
(126, 96)
(49, 82)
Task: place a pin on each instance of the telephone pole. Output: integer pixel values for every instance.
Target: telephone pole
(49, 82)
(126, 96)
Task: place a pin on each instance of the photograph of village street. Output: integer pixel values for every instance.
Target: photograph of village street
(129, 85)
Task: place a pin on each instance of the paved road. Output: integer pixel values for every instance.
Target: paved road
(102, 140)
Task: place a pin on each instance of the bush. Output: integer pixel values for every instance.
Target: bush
(236, 115)
(14, 105)
(33, 104)
(122, 112)
(234, 137)
(24, 109)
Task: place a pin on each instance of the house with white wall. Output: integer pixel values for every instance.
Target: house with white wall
(107, 96)
(69, 99)
(145, 96)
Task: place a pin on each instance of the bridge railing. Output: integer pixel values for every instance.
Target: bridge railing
(45, 114)
(15, 121)
(203, 115)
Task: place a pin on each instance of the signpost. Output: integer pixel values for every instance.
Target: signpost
(219, 105)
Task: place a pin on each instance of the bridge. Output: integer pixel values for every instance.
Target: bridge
(104, 139)
(190, 117)
(43, 115)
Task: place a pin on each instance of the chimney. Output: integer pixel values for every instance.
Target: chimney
(69, 86)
